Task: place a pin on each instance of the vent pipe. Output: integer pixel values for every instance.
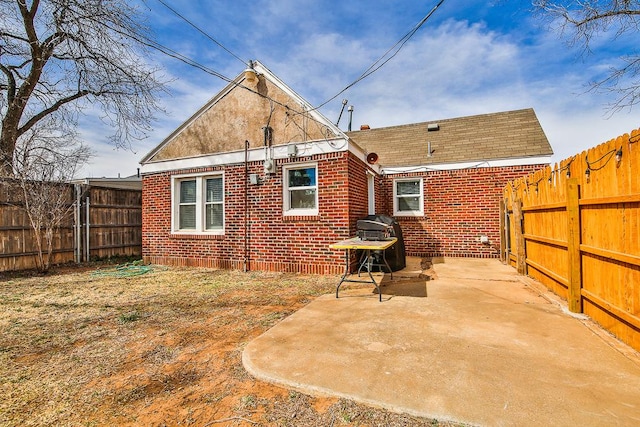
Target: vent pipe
(350, 109)
(344, 104)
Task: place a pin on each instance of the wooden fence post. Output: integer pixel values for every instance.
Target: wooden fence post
(503, 232)
(521, 250)
(574, 297)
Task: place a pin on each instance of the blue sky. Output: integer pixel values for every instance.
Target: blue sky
(471, 57)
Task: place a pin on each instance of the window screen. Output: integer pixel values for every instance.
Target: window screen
(302, 188)
(214, 206)
(408, 194)
(187, 205)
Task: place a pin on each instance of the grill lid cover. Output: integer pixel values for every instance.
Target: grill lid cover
(373, 230)
(367, 224)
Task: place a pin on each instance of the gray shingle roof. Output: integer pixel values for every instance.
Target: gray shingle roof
(495, 136)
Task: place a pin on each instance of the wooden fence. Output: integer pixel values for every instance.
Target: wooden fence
(576, 229)
(114, 227)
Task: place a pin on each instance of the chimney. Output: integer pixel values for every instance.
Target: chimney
(364, 127)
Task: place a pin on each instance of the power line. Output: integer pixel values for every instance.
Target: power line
(191, 62)
(143, 40)
(204, 33)
(378, 64)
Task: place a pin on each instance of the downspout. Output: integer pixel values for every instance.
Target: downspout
(246, 206)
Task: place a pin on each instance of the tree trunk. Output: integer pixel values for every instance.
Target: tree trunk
(7, 147)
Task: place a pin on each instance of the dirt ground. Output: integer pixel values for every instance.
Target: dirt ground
(155, 346)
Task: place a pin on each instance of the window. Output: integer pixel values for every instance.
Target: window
(300, 189)
(407, 197)
(198, 204)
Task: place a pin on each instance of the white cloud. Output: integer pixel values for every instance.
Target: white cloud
(451, 68)
(462, 69)
(429, 79)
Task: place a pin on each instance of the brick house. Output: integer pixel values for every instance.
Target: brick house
(259, 180)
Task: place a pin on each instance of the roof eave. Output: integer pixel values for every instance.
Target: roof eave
(477, 164)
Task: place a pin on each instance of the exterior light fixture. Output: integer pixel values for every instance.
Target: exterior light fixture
(587, 174)
(568, 173)
(618, 156)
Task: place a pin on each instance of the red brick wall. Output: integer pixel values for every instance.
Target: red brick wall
(276, 242)
(358, 192)
(459, 206)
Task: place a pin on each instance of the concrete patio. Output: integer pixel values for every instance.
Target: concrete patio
(477, 344)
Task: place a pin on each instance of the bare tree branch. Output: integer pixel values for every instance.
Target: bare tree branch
(55, 54)
(44, 161)
(582, 21)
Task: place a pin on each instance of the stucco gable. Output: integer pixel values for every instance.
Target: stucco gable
(241, 112)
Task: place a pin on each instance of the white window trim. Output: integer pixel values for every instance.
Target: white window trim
(397, 212)
(200, 203)
(286, 208)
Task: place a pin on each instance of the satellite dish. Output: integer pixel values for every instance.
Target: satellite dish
(372, 158)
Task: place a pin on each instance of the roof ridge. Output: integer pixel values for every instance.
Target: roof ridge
(521, 110)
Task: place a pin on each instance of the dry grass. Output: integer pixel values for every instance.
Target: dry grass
(163, 348)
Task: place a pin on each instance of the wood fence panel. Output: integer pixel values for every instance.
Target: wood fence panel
(114, 226)
(586, 247)
(546, 265)
(115, 222)
(12, 239)
(19, 247)
(613, 306)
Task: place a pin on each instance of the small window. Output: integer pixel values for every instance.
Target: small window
(198, 204)
(408, 197)
(300, 190)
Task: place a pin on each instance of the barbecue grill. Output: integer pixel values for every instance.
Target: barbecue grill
(381, 227)
(367, 229)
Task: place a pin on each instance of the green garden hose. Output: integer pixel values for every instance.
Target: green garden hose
(129, 269)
